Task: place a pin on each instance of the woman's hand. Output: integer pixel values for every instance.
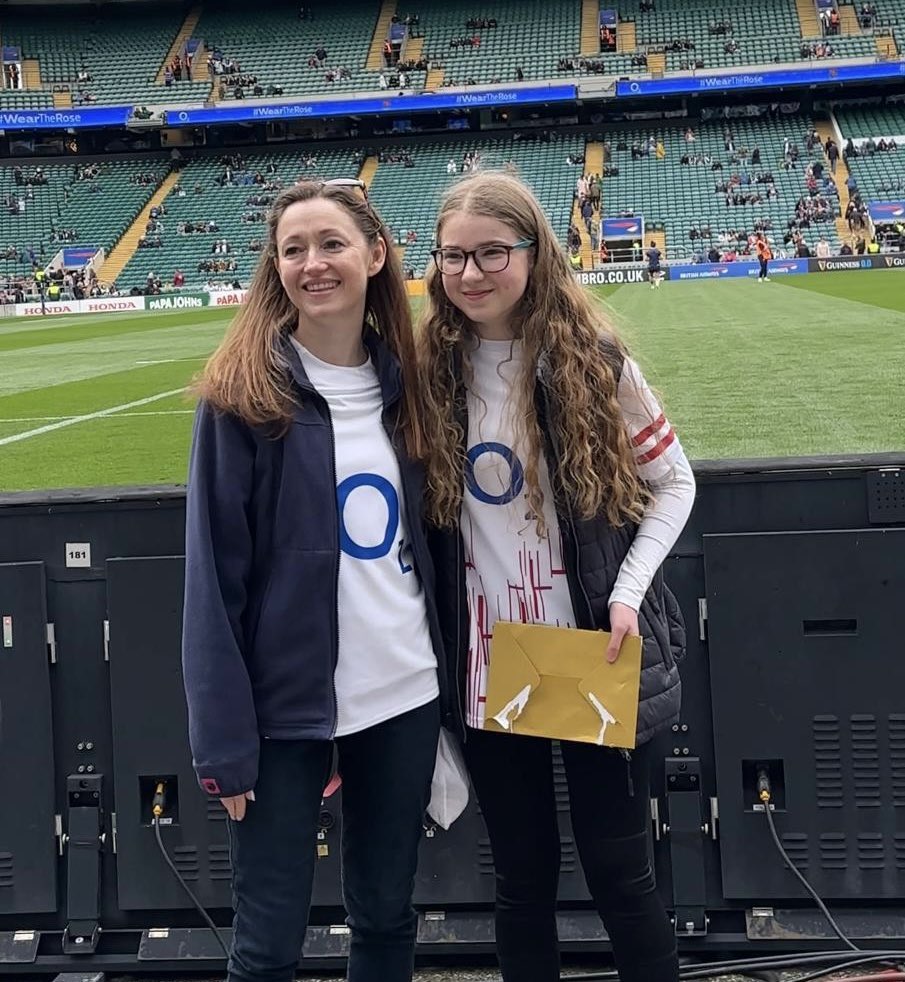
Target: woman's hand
(623, 623)
(235, 806)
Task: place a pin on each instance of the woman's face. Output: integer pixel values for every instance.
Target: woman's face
(324, 262)
(488, 300)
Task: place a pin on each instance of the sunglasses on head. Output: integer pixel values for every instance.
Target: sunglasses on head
(347, 182)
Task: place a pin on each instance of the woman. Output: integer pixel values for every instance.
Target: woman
(557, 487)
(309, 617)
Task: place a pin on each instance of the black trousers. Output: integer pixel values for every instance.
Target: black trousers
(610, 805)
(763, 268)
(386, 772)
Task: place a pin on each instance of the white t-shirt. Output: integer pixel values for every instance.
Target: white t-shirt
(510, 573)
(386, 663)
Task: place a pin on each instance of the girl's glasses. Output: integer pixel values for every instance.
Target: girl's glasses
(489, 258)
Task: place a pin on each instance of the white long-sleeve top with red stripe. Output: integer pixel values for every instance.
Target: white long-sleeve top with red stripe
(512, 574)
(662, 463)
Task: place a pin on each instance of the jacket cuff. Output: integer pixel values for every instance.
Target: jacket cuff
(228, 778)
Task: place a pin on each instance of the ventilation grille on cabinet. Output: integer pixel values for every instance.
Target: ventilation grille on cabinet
(827, 762)
(185, 859)
(218, 862)
(833, 850)
(865, 761)
(897, 758)
(796, 845)
(6, 869)
(871, 851)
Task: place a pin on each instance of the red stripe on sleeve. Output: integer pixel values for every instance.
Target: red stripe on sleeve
(646, 458)
(649, 431)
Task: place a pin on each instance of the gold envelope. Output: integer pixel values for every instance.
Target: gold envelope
(556, 682)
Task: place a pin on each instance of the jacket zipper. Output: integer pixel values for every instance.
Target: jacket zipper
(459, 565)
(335, 572)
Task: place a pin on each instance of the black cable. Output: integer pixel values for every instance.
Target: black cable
(765, 799)
(840, 960)
(852, 963)
(188, 889)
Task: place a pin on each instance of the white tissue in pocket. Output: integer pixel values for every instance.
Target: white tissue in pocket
(449, 786)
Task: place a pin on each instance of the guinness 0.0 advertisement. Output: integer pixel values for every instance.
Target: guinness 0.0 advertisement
(836, 263)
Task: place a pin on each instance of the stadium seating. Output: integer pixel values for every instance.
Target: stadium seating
(124, 48)
(758, 50)
(766, 32)
(408, 198)
(679, 196)
(12, 99)
(121, 48)
(530, 34)
(224, 205)
(274, 44)
(880, 175)
(861, 122)
(98, 217)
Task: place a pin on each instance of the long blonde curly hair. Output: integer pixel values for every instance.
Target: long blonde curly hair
(567, 341)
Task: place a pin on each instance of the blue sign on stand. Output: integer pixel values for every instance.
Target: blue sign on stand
(623, 228)
(64, 119)
(887, 211)
(759, 80)
(741, 268)
(271, 112)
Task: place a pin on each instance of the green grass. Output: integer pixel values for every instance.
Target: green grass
(807, 365)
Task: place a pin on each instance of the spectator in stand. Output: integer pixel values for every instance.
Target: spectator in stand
(873, 247)
(822, 250)
(846, 249)
(321, 54)
(178, 278)
(832, 152)
(604, 254)
(833, 26)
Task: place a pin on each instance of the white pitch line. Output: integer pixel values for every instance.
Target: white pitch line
(169, 361)
(50, 419)
(72, 420)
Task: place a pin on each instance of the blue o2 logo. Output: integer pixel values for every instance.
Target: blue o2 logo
(388, 493)
(380, 549)
(516, 473)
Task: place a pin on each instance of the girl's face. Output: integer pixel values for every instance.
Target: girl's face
(488, 300)
(324, 263)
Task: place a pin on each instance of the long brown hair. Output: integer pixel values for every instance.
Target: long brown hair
(565, 337)
(247, 375)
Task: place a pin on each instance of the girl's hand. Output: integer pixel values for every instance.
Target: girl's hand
(623, 623)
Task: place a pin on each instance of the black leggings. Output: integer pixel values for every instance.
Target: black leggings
(763, 268)
(610, 804)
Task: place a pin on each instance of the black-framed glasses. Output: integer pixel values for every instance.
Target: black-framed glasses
(493, 258)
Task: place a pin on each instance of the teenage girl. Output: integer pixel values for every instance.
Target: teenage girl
(557, 487)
